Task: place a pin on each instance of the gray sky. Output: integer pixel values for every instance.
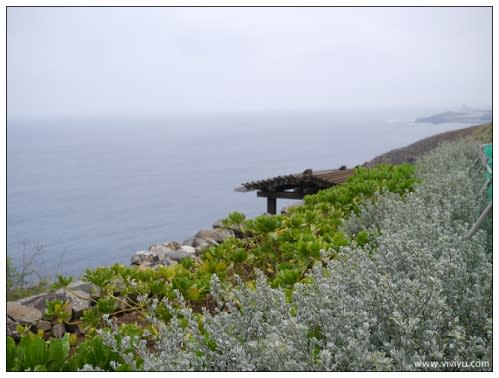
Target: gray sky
(154, 61)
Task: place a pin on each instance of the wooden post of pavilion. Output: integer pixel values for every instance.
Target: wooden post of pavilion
(271, 205)
(273, 196)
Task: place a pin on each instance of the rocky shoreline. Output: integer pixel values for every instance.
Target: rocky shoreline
(81, 295)
(171, 253)
(78, 296)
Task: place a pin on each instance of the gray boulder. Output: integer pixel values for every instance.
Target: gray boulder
(202, 243)
(189, 241)
(80, 300)
(160, 251)
(218, 224)
(173, 245)
(58, 330)
(182, 253)
(39, 301)
(135, 260)
(12, 328)
(168, 261)
(218, 236)
(87, 287)
(44, 325)
(142, 256)
(22, 314)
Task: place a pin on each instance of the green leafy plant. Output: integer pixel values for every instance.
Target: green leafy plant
(57, 310)
(234, 219)
(95, 353)
(102, 278)
(61, 282)
(284, 247)
(35, 354)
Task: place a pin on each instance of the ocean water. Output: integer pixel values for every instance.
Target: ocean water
(92, 192)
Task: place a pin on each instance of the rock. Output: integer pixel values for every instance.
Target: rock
(200, 249)
(142, 256)
(39, 301)
(178, 255)
(160, 251)
(173, 245)
(58, 330)
(189, 241)
(187, 249)
(156, 264)
(218, 236)
(44, 325)
(22, 314)
(169, 261)
(135, 260)
(87, 287)
(182, 253)
(80, 300)
(202, 243)
(12, 329)
(218, 224)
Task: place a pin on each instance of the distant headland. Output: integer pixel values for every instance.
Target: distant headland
(464, 115)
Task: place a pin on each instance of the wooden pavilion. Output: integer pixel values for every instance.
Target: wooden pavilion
(295, 186)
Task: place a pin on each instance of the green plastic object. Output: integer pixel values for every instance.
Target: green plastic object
(487, 152)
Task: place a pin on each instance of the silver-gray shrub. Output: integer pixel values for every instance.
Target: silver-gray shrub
(251, 330)
(429, 290)
(418, 293)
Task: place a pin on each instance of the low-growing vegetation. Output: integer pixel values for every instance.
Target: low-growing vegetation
(370, 275)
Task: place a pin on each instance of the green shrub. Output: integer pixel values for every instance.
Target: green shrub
(410, 291)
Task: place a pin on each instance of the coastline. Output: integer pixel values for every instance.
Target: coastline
(81, 294)
(170, 252)
(412, 152)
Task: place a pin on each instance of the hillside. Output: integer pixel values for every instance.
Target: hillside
(370, 275)
(414, 151)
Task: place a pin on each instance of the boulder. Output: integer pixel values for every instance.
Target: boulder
(160, 251)
(219, 224)
(202, 243)
(39, 301)
(142, 256)
(218, 236)
(187, 249)
(80, 300)
(168, 261)
(183, 252)
(44, 325)
(189, 241)
(58, 330)
(173, 245)
(22, 314)
(87, 287)
(12, 329)
(135, 260)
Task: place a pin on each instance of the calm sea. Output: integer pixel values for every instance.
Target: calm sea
(92, 192)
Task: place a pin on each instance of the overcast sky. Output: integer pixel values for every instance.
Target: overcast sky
(152, 61)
